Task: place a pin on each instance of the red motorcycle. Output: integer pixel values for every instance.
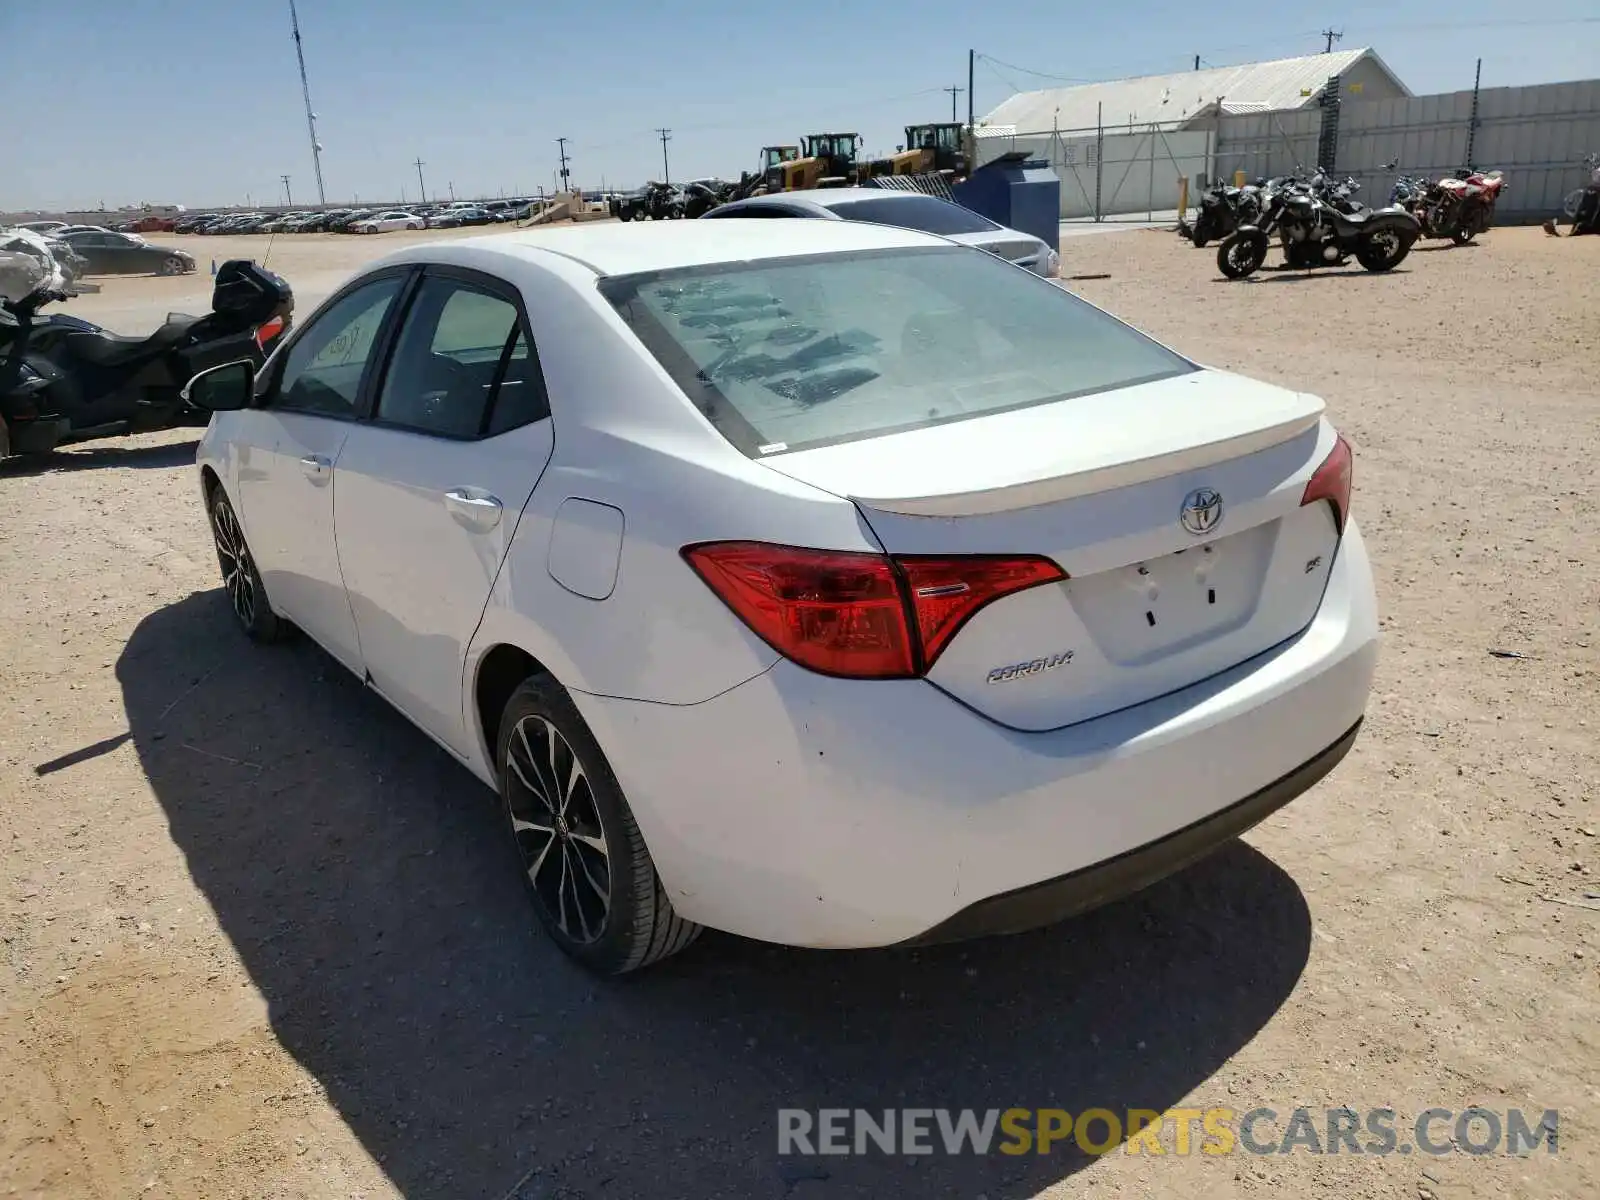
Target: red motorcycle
(1461, 206)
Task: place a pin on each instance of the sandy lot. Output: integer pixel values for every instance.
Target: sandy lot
(261, 939)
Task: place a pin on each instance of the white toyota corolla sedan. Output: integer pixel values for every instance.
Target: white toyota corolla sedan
(823, 582)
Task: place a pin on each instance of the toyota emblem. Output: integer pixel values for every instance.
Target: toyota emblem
(1202, 511)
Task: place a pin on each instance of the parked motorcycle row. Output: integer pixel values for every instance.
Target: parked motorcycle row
(1318, 222)
(63, 379)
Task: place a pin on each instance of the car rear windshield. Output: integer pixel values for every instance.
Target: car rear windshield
(927, 213)
(790, 354)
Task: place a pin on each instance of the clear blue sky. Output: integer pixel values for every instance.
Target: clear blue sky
(198, 101)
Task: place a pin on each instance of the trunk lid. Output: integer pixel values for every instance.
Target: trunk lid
(1099, 484)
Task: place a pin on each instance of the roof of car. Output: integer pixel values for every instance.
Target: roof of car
(624, 248)
(828, 197)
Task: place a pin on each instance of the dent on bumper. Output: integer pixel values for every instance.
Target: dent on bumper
(834, 813)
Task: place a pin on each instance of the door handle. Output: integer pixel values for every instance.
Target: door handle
(316, 467)
(473, 507)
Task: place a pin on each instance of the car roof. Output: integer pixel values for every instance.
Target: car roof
(828, 198)
(625, 248)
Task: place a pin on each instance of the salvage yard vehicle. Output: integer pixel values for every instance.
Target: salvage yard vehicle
(387, 222)
(66, 380)
(1314, 231)
(969, 606)
(126, 254)
(929, 148)
(906, 210)
(826, 160)
(656, 201)
(458, 215)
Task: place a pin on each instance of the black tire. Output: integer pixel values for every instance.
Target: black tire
(240, 579)
(172, 265)
(1461, 235)
(1383, 250)
(592, 830)
(1241, 254)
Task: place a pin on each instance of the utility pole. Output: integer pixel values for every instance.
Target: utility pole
(1332, 36)
(422, 188)
(564, 173)
(971, 140)
(311, 117)
(954, 92)
(288, 196)
(1196, 62)
(666, 136)
(452, 191)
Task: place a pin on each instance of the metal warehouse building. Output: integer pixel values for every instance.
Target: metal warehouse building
(1192, 100)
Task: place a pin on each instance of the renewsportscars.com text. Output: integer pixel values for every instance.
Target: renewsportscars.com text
(1178, 1131)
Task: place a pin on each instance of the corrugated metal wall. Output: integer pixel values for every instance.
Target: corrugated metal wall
(1538, 136)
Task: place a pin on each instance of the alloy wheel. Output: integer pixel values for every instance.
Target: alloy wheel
(238, 572)
(558, 829)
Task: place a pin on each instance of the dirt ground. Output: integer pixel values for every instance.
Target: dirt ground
(260, 939)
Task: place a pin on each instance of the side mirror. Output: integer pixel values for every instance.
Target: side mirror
(227, 388)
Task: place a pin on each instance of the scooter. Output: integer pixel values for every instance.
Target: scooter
(66, 380)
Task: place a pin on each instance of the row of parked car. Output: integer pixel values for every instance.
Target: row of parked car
(361, 220)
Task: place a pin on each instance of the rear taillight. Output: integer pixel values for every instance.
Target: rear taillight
(1331, 482)
(946, 592)
(267, 332)
(863, 616)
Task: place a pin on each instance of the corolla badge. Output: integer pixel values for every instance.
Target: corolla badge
(1201, 511)
(1036, 666)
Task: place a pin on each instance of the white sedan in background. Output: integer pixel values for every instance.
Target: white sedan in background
(823, 582)
(906, 210)
(386, 222)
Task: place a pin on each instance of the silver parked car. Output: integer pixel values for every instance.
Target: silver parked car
(906, 210)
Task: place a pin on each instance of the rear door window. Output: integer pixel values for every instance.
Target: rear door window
(461, 366)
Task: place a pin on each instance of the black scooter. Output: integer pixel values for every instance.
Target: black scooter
(66, 380)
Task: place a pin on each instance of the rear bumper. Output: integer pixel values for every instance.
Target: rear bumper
(1079, 891)
(810, 811)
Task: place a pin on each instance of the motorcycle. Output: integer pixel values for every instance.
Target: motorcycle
(63, 379)
(1315, 233)
(1582, 205)
(1340, 194)
(1458, 207)
(1223, 208)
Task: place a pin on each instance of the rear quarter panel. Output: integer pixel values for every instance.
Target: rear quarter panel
(625, 436)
